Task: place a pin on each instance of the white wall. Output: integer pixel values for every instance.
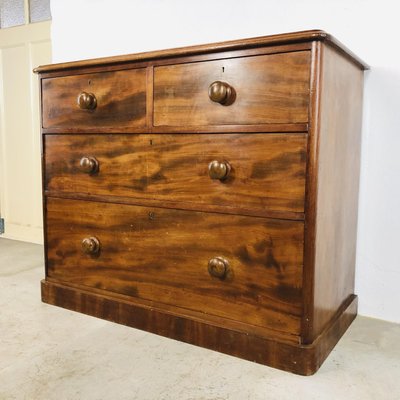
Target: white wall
(89, 28)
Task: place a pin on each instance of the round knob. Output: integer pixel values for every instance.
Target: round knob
(89, 165)
(87, 101)
(221, 92)
(218, 170)
(218, 267)
(91, 245)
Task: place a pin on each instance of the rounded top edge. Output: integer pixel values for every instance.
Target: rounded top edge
(270, 40)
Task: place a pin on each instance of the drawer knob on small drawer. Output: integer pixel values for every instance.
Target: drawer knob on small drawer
(218, 267)
(218, 170)
(89, 165)
(221, 92)
(87, 101)
(91, 245)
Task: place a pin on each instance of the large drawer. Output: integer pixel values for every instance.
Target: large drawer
(164, 256)
(264, 89)
(266, 171)
(99, 100)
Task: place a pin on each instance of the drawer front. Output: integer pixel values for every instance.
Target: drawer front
(164, 255)
(264, 172)
(265, 89)
(101, 100)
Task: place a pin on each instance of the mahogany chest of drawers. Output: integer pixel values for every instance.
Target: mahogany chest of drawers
(208, 194)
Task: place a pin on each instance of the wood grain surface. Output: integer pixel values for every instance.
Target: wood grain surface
(336, 198)
(281, 229)
(253, 346)
(269, 89)
(162, 255)
(267, 171)
(121, 100)
(278, 40)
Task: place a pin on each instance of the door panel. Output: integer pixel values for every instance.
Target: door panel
(21, 48)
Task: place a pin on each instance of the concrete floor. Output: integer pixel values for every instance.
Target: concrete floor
(50, 353)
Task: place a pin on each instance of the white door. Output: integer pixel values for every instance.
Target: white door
(22, 48)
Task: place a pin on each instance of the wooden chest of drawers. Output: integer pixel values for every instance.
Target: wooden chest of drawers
(208, 194)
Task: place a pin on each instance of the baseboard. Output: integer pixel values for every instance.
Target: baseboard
(23, 233)
(296, 358)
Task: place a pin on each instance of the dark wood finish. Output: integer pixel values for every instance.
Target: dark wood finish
(268, 89)
(149, 98)
(89, 165)
(272, 128)
(91, 245)
(336, 197)
(310, 199)
(222, 93)
(267, 171)
(219, 267)
(261, 287)
(87, 101)
(95, 100)
(300, 46)
(178, 205)
(223, 212)
(234, 325)
(300, 359)
(234, 45)
(219, 170)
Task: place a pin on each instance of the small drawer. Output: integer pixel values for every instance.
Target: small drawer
(258, 172)
(267, 89)
(114, 100)
(243, 268)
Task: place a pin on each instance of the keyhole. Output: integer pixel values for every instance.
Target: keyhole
(223, 69)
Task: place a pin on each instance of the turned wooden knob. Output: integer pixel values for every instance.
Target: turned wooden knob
(91, 245)
(89, 165)
(221, 92)
(218, 267)
(87, 101)
(218, 170)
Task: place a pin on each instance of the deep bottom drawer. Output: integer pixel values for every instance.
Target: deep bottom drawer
(164, 256)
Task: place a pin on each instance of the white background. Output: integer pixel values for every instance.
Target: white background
(93, 28)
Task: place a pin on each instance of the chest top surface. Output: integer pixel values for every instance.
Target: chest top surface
(256, 42)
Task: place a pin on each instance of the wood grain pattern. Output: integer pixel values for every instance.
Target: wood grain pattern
(337, 190)
(266, 128)
(234, 325)
(121, 99)
(245, 52)
(299, 359)
(267, 171)
(281, 39)
(269, 89)
(281, 228)
(162, 255)
(310, 198)
(221, 209)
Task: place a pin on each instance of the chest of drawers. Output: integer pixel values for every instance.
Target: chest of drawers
(208, 194)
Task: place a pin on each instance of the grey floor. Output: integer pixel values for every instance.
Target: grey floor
(51, 353)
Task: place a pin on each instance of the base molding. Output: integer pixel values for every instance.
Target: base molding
(296, 358)
(31, 234)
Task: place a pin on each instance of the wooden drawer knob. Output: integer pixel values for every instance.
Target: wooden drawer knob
(87, 101)
(221, 92)
(89, 165)
(218, 170)
(91, 245)
(218, 267)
